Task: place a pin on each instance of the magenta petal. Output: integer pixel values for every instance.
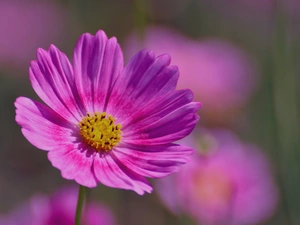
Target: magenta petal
(162, 124)
(97, 62)
(111, 172)
(154, 161)
(156, 109)
(144, 78)
(52, 79)
(41, 126)
(170, 128)
(74, 163)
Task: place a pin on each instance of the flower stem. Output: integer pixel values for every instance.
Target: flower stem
(286, 113)
(80, 202)
(140, 16)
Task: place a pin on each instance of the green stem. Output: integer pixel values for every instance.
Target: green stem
(80, 202)
(140, 16)
(286, 114)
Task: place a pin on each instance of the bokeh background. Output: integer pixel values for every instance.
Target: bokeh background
(240, 57)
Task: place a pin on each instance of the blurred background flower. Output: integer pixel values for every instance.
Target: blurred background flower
(27, 25)
(227, 182)
(57, 209)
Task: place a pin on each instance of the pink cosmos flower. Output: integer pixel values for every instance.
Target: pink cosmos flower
(104, 123)
(227, 182)
(26, 25)
(58, 209)
(219, 73)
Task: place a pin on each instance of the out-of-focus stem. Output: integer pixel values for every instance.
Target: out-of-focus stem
(80, 202)
(286, 114)
(140, 16)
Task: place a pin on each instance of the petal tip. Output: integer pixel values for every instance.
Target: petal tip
(101, 34)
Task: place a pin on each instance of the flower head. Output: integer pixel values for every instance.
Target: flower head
(104, 123)
(58, 209)
(224, 184)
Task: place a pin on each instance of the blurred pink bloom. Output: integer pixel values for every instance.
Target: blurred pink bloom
(26, 25)
(58, 209)
(228, 183)
(219, 73)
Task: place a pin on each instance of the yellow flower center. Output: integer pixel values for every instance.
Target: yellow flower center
(100, 131)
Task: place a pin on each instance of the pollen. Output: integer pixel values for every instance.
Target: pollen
(100, 131)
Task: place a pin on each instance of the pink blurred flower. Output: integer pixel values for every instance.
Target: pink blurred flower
(227, 182)
(58, 209)
(106, 123)
(219, 73)
(26, 25)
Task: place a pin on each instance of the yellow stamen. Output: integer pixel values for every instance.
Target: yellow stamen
(100, 131)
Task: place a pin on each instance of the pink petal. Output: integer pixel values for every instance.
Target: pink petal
(111, 172)
(156, 109)
(153, 161)
(41, 126)
(165, 129)
(144, 78)
(75, 163)
(97, 62)
(52, 79)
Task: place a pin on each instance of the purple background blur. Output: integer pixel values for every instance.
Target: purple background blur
(238, 56)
